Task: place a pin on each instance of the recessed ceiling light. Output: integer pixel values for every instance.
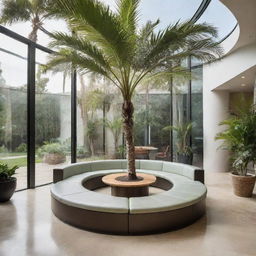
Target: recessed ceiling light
(243, 84)
(243, 77)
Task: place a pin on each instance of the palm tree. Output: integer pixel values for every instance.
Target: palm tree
(34, 11)
(111, 45)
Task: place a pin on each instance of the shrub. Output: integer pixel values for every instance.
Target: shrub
(22, 148)
(51, 148)
(81, 152)
(3, 149)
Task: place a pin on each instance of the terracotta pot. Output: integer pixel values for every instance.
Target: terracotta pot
(243, 185)
(7, 189)
(54, 158)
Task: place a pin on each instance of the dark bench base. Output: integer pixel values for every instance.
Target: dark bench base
(127, 223)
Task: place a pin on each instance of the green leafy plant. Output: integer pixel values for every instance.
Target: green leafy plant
(183, 132)
(51, 148)
(115, 126)
(22, 148)
(92, 134)
(6, 173)
(240, 139)
(110, 45)
(3, 149)
(121, 151)
(81, 152)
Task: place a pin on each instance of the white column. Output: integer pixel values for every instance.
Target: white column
(215, 110)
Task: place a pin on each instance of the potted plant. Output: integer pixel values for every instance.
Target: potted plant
(240, 139)
(184, 150)
(52, 153)
(7, 182)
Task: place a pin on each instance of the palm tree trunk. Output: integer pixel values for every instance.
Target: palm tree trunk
(127, 112)
(33, 35)
(35, 26)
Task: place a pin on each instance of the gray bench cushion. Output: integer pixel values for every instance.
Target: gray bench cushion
(75, 169)
(71, 192)
(184, 193)
(94, 201)
(181, 169)
(151, 165)
(170, 167)
(106, 165)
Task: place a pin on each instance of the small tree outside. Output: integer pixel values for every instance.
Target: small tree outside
(115, 126)
(90, 100)
(34, 11)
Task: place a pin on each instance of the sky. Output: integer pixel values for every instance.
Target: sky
(169, 11)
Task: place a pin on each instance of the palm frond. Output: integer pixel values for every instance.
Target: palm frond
(81, 63)
(14, 11)
(81, 45)
(128, 14)
(182, 37)
(97, 23)
(178, 73)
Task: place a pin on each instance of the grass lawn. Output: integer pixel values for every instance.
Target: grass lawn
(13, 154)
(18, 161)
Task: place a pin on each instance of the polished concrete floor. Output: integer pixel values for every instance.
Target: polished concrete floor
(28, 227)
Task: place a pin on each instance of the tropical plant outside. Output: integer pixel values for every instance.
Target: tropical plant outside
(183, 132)
(109, 44)
(34, 11)
(51, 148)
(115, 126)
(239, 138)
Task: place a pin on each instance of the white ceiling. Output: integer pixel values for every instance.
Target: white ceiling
(245, 13)
(243, 82)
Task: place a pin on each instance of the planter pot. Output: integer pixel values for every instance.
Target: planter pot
(185, 159)
(7, 189)
(243, 185)
(54, 158)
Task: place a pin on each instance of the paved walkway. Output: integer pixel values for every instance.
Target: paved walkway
(43, 174)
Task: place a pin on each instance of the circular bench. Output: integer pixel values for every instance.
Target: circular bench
(75, 201)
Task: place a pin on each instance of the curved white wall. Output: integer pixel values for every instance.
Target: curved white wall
(215, 106)
(229, 43)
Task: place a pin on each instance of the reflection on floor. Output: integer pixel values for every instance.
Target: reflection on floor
(28, 227)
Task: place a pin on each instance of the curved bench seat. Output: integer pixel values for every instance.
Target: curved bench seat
(75, 202)
(72, 192)
(183, 193)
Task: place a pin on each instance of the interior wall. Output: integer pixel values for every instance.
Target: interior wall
(240, 100)
(215, 110)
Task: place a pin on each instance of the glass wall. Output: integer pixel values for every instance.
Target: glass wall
(90, 118)
(197, 115)
(13, 107)
(52, 118)
(180, 113)
(99, 123)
